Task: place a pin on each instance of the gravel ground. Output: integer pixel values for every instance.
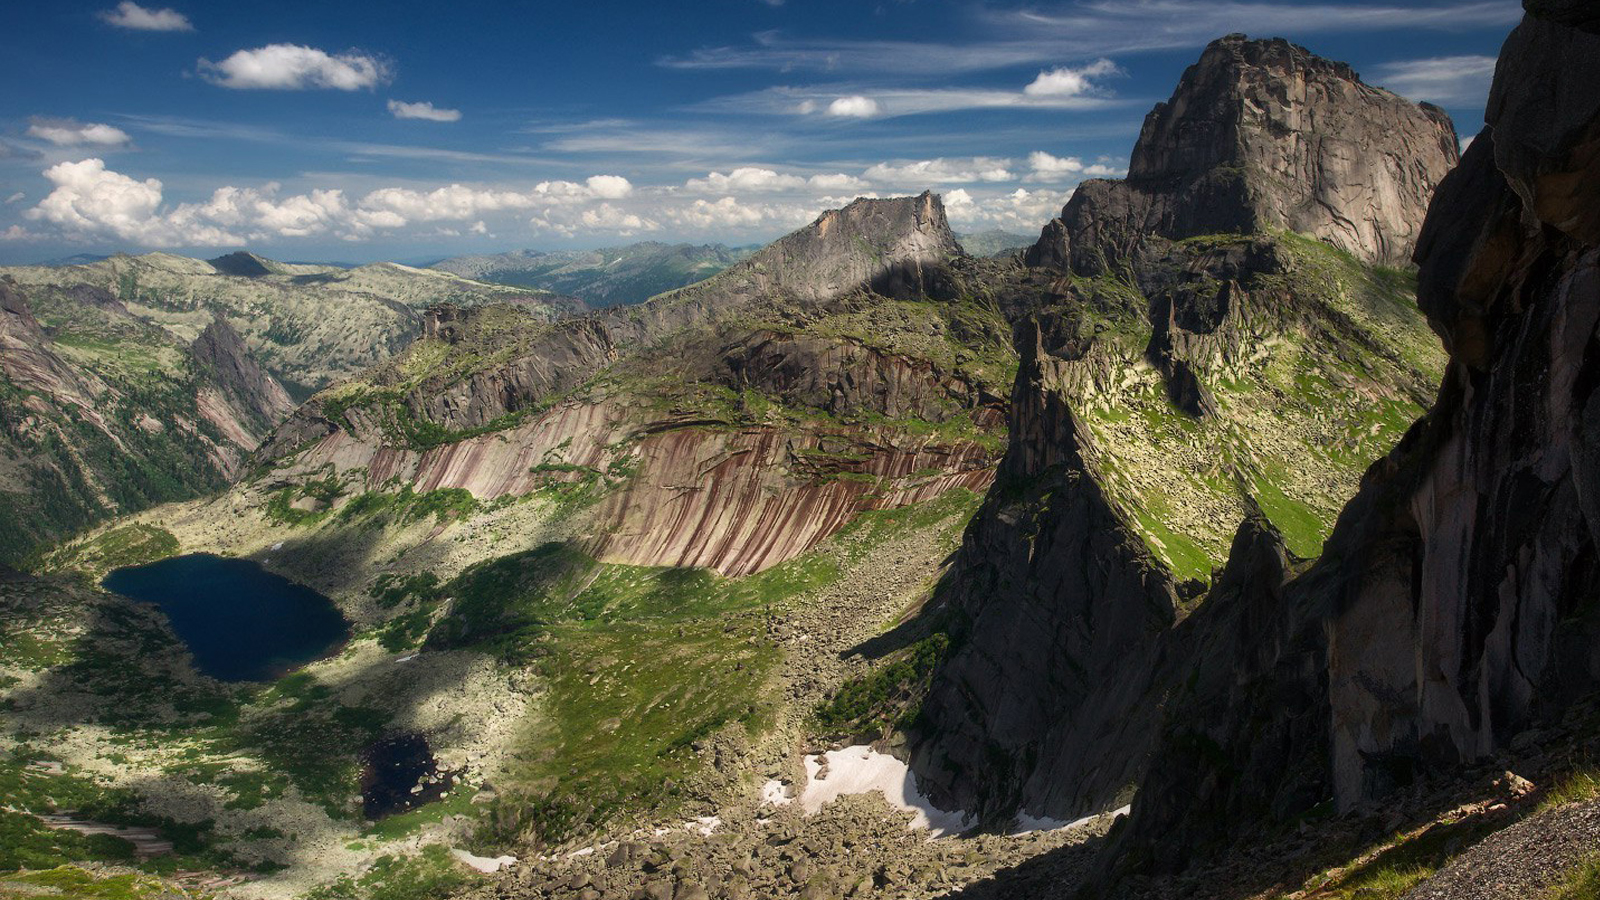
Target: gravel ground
(1521, 862)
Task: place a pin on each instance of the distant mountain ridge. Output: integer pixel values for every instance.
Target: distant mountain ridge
(995, 242)
(309, 324)
(610, 276)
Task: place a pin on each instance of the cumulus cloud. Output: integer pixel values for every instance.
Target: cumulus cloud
(925, 172)
(1018, 210)
(18, 197)
(295, 67)
(1048, 168)
(854, 107)
(1069, 82)
(610, 187)
(836, 182)
(423, 110)
(131, 15)
(89, 199)
(70, 133)
(729, 214)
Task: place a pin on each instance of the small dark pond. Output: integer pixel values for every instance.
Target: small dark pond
(241, 622)
(399, 773)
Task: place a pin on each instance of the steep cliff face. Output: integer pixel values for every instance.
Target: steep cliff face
(1456, 604)
(730, 425)
(1264, 135)
(251, 396)
(101, 414)
(1198, 380)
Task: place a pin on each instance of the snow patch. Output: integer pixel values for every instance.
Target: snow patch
(775, 793)
(862, 770)
(1027, 824)
(485, 864)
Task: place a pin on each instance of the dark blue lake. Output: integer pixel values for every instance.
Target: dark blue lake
(241, 622)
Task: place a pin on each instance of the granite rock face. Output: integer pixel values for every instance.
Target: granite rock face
(1456, 604)
(1259, 135)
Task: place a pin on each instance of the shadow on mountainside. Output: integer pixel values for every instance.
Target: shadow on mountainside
(1431, 837)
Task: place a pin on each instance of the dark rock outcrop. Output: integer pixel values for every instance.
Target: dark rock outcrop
(1262, 135)
(1456, 604)
(1059, 598)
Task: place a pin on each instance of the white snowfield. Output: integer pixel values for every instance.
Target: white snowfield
(485, 864)
(862, 770)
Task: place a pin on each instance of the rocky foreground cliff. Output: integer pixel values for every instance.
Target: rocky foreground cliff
(1455, 606)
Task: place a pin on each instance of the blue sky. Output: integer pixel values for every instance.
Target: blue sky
(359, 131)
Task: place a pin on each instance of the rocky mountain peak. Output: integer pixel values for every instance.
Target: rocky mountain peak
(256, 394)
(887, 245)
(1260, 135)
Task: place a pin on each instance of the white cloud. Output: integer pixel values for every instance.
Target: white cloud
(892, 102)
(927, 172)
(609, 187)
(69, 133)
(423, 110)
(836, 182)
(1066, 82)
(1018, 210)
(18, 197)
(1465, 142)
(756, 180)
(131, 15)
(89, 197)
(295, 67)
(606, 217)
(1056, 169)
(729, 214)
(1446, 80)
(854, 107)
(15, 233)
(90, 200)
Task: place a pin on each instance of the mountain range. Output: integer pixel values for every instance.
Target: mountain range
(1235, 539)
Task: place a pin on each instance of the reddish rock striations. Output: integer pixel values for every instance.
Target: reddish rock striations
(743, 501)
(1456, 603)
(1264, 135)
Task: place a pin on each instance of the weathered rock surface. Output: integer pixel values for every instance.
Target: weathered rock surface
(1455, 605)
(1264, 135)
